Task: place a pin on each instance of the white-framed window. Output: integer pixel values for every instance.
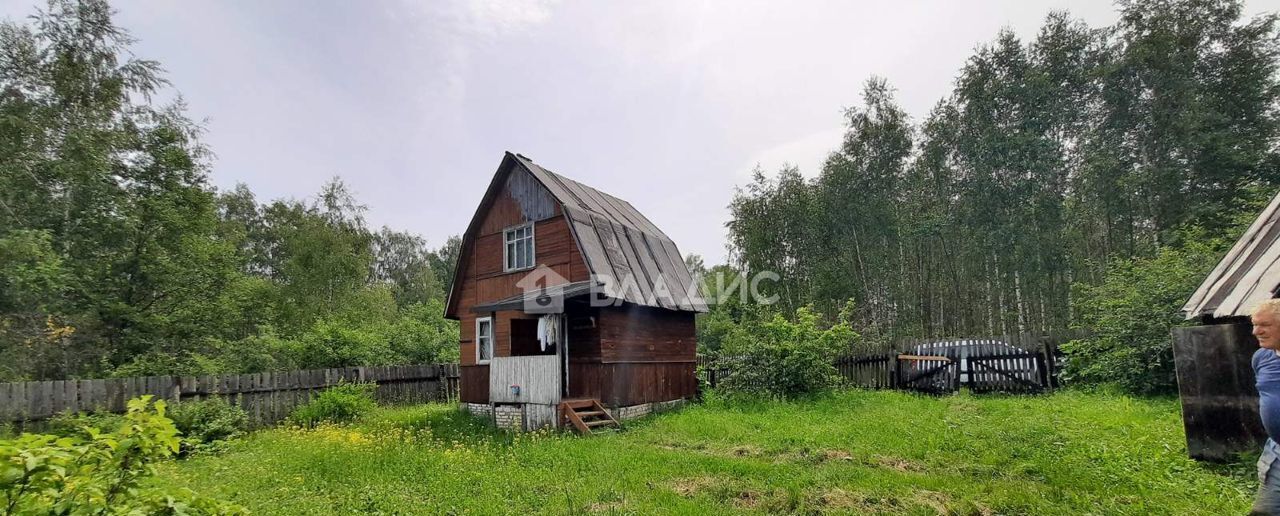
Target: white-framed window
(518, 252)
(484, 340)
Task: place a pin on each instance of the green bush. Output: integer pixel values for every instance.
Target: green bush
(207, 421)
(775, 357)
(70, 424)
(1130, 315)
(340, 404)
(334, 343)
(422, 336)
(99, 472)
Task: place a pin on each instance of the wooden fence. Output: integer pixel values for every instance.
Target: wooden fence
(267, 397)
(1012, 363)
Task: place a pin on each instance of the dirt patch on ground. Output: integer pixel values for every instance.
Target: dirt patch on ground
(836, 455)
(746, 451)
(728, 491)
(897, 464)
(748, 499)
(688, 487)
(839, 501)
(933, 500)
(679, 446)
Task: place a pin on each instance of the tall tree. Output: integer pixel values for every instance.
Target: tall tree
(118, 184)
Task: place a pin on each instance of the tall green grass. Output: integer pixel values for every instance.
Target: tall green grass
(851, 452)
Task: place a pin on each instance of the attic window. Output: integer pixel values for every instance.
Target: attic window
(518, 253)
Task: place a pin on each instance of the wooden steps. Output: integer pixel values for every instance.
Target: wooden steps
(585, 414)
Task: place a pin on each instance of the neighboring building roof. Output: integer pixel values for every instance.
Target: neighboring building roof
(1248, 274)
(617, 242)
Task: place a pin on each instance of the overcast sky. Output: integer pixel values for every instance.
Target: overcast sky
(669, 105)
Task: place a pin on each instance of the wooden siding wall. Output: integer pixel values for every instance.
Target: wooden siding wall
(621, 385)
(634, 355)
(584, 335)
(634, 334)
(473, 384)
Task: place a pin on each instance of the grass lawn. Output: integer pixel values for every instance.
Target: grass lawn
(852, 452)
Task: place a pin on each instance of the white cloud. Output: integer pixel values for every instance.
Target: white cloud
(449, 31)
(498, 17)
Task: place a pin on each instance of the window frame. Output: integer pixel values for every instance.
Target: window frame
(507, 247)
(479, 343)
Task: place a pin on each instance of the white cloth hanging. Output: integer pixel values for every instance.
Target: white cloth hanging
(553, 329)
(548, 330)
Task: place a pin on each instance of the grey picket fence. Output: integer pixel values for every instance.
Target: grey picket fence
(266, 397)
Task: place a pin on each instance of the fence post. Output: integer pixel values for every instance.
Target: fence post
(1051, 362)
(1044, 372)
(955, 376)
(896, 379)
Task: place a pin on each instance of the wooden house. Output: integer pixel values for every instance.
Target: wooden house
(574, 308)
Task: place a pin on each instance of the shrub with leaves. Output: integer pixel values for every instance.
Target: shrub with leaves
(99, 473)
(71, 424)
(342, 403)
(1130, 315)
(207, 421)
(776, 357)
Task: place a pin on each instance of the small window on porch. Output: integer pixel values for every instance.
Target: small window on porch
(524, 339)
(518, 252)
(484, 340)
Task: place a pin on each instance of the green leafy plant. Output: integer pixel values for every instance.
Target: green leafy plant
(99, 472)
(776, 357)
(208, 421)
(342, 403)
(1130, 315)
(71, 424)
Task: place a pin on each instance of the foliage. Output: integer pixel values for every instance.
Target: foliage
(71, 424)
(723, 289)
(1130, 315)
(421, 336)
(1049, 158)
(118, 258)
(343, 403)
(100, 472)
(207, 421)
(775, 357)
(855, 452)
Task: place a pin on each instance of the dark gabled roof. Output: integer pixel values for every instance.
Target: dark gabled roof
(1247, 275)
(618, 243)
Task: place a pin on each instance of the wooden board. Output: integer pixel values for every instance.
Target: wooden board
(1216, 385)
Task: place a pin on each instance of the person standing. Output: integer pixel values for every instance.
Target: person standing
(1266, 371)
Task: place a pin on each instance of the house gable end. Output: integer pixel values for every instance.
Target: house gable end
(514, 197)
